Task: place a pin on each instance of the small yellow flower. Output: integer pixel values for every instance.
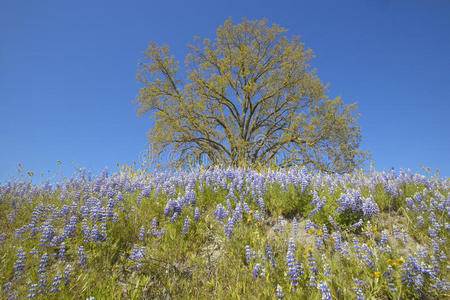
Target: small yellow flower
(250, 212)
(389, 261)
(319, 232)
(377, 274)
(374, 228)
(401, 261)
(258, 223)
(394, 264)
(310, 231)
(249, 220)
(309, 250)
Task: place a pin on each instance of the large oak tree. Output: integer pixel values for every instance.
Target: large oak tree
(249, 97)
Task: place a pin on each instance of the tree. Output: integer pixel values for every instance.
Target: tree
(249, 97)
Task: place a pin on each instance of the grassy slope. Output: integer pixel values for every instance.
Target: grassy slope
(206, 263)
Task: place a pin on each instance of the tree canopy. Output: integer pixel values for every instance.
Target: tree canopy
(248, 97)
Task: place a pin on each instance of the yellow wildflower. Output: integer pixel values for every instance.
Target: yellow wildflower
(250, 212)
(258, 223)
(310, 231)
(320, 232)
(249, 220)
(377, 274)
(401, 260)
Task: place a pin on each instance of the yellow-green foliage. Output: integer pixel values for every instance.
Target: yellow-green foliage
(248, 97)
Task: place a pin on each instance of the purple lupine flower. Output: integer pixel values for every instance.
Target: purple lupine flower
(325, 291)
(43, 264)
(160, 233)
(32, 291)
(13, 295)
(134, 255)
(319, 206)
(294, 227)
(319, 243)
(313, 268)
(269, 256)
(2, 238)
(405, 237)
(169, 209)
(196, 214)
(357, 289)
(185, 226)
(325, 232)
(420, 220)
(47, 234)
(137, 255)
(220, 213)
(81, 257)
(294, 268)
(310, 225)
(230, 208)
(248, 254)
(261, 205)
(62, 252)
(246, 207)
(326, 267)
(229, 228)
(142, 233)
(55, 241)
(138, 200)
(20, 264)
(115, 218)
(67, 275)
(174, 217)
(96, 236)
(86, 231)
(256, 270)
(369, 207)
(12, 216)
(103, 220)
(154, 225)
(384, 238)
(357, 224)
(279, 293)
(388, 276)
(56, 283)
(396, 233)
(280, 224)
(257, 217)
(7, 287)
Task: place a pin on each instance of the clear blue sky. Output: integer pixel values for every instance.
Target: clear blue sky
(68, 68)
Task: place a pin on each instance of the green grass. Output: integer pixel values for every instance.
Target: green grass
(206, 264)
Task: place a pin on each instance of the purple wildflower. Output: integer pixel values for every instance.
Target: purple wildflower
(185, 226)
(20, 264)
(279, 293)
(81, 257)
(56, 283)
(196, 214)
(141, 233)
(325, 291)
(248, 254)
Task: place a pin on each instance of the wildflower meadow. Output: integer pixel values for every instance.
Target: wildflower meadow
(226, 233)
